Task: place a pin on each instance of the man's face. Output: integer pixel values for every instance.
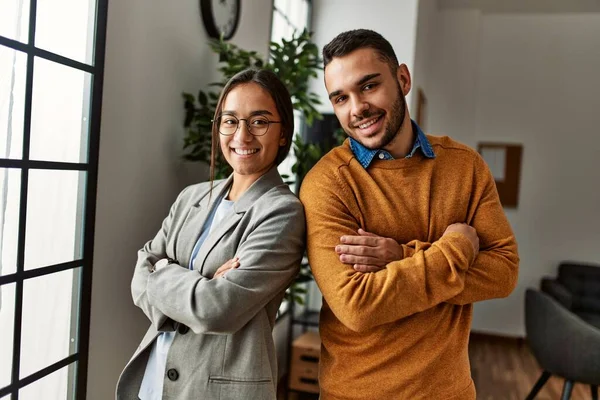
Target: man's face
(367, 98)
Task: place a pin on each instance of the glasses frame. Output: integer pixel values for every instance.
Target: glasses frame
(246, 122)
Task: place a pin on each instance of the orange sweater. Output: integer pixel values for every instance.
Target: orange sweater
(402, 332)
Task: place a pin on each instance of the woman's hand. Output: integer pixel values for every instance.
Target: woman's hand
(230, 264)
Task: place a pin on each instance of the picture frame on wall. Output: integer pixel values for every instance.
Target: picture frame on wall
(504, 161)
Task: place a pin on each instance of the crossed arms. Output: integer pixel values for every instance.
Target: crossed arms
(266, 262)
(424, 274)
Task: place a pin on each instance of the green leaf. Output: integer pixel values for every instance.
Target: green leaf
(202, 99)
(188, 97)
(189, 117)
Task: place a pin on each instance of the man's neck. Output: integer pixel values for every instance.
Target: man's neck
(402, 144)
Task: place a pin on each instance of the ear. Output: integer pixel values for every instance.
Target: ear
(403, 76)
(282, 141)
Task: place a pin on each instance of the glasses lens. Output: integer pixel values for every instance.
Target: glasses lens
(228, 124)
(259, 126)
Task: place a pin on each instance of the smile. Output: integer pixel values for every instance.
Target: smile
(245, 152)
(370, 122)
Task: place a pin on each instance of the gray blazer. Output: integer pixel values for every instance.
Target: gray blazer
(223, 348)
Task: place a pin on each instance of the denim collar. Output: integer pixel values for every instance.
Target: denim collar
(365, 156)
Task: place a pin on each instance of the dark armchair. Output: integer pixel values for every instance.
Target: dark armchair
(563, 344)
(577, 288)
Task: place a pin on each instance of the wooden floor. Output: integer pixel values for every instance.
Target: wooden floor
(504, 369)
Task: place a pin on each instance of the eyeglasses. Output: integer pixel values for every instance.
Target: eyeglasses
(257, 125)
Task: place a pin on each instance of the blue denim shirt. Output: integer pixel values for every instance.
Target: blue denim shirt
(365, 156)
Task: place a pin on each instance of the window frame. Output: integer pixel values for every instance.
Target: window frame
(77, 376)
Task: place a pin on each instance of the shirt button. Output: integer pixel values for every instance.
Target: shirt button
(183, 329)
(381, 156)
(172, 374)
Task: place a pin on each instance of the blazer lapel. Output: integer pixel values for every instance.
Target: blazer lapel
(195, 219)
(262, 185)
(213, 238)
(254, 192)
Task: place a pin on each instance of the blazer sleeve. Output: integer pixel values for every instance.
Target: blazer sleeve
(153, 251)
(269, 261)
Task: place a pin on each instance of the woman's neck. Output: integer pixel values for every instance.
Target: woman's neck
(240, 184)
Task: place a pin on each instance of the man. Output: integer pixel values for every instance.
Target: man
(405, 232)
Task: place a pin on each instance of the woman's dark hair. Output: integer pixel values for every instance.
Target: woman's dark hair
(346, 42)
(280, 95)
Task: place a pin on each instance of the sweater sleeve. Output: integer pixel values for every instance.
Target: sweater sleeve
(495, 270)
(432, 275)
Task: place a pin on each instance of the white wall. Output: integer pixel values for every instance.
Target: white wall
(444, 63)
(425, 44)
(529, 6)
(154, 52)
(395, 20)
(530, 79)
(452, 74)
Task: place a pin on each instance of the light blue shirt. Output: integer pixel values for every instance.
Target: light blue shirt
(154, 375)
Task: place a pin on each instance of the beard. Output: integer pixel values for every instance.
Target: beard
(392, 128)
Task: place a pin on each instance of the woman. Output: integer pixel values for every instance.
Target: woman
(212, 279)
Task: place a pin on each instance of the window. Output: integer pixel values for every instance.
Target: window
(51, 71)
(289, 17)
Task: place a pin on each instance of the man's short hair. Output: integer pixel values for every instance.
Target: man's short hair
(347, 42)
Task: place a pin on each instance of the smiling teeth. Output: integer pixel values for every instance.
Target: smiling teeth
(363, 126)
(245, 152)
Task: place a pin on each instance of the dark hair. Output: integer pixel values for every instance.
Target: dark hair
(283, 102)
(346, 42)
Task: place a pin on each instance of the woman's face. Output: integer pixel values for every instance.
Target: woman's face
(250, 155)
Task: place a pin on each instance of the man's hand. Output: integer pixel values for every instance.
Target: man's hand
(368, 252)
(230, 264)
(468, 231)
